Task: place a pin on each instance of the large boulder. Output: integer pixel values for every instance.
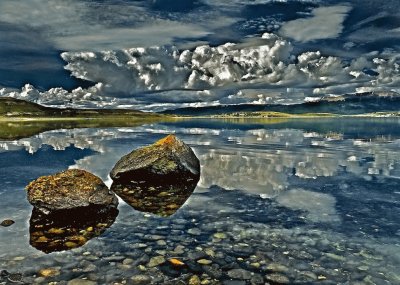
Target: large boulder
(69, 189)
(167, 159)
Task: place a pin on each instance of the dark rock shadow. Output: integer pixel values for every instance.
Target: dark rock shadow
(162, 197)
(67, 229)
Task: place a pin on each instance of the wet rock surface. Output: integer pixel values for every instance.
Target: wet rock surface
(69, 189)
(157, 179)
(67, 229)
(169, 158)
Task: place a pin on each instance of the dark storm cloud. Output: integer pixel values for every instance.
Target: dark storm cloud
(97, 25)
(174, 5)
(26, 56)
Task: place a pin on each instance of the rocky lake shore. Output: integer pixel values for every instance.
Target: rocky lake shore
(315, 232)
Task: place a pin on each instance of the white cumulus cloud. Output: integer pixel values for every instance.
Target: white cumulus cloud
(259, 71)
(324, 23)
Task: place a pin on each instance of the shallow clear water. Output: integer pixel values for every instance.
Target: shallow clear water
(298, 201)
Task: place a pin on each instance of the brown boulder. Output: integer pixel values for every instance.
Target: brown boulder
(168, 157)
(69, 189)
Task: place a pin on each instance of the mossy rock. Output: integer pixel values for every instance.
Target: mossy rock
(69, 189)
(167, 159)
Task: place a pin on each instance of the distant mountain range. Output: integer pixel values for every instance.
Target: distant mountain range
(350, 104)
(11, 107)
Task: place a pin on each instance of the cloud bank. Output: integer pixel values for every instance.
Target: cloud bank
(75, 25)
(209, 75)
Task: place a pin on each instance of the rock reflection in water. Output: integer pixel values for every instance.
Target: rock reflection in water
(155, 196)
(67, 229)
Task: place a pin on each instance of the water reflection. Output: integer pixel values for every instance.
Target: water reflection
(333, 213)
(260, 159)
(155, 196)
(319, 207)
(23, 129)
(67, 229)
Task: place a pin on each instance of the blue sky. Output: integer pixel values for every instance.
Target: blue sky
(159, 54)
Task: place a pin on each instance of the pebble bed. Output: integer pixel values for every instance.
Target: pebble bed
(291, 207)
(235, 239)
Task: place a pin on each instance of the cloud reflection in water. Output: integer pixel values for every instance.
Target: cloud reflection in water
(257, 160)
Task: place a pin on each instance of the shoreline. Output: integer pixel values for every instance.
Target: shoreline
(278, 115)
(172, 117)
(114, 118)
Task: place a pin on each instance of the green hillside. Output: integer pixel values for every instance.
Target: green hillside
(13, 107)
(20, 119)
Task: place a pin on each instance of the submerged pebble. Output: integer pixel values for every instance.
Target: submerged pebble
(278, 278)
(155, 261)
(15, 277)
(204, 261)
(81, 282)
(276, 267)
(239, 274)
(140, 280)
(194, 280)
(49, 272)
(7, 223)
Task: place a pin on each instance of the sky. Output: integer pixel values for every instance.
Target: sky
(155, 55)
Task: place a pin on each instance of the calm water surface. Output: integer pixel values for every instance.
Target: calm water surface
(296, 202)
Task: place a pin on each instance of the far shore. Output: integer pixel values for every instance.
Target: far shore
(80, 118)
(12, 128)
(158, 117)
(279, 115)
(17, 127)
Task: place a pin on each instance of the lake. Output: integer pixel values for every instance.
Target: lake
(298, 201)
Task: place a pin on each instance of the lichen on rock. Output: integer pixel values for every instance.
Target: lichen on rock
(69, 189)
(168, 158)
(159, 178)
